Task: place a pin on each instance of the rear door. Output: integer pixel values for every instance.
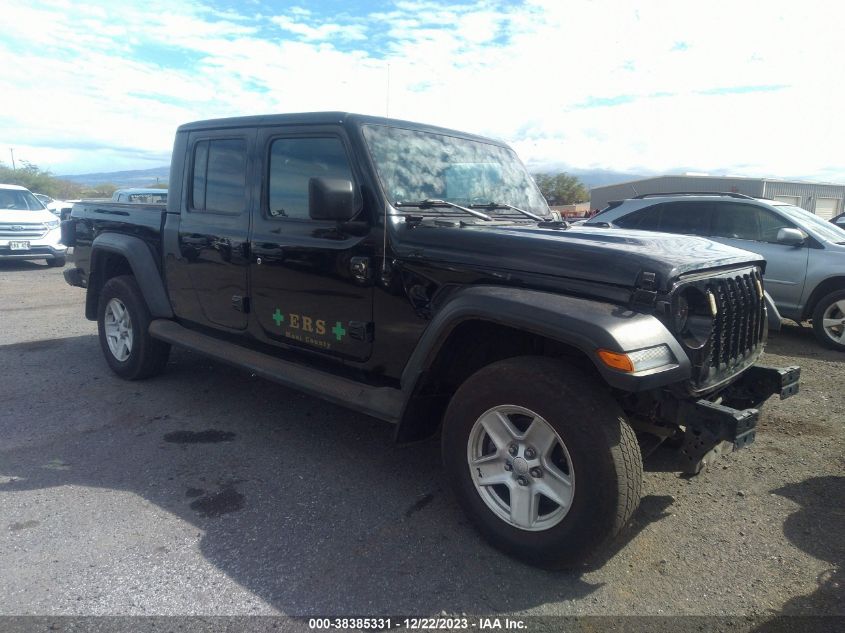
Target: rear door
(213, 229)
(310, 279)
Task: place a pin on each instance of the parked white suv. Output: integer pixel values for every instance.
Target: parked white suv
(28, 230)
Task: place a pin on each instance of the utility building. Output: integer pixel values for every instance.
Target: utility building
(823, 199)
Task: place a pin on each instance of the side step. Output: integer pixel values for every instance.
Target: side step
(380, 402)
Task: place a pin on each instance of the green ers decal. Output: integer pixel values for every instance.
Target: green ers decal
(300, 326)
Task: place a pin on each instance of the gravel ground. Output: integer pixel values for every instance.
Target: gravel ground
(207, 491)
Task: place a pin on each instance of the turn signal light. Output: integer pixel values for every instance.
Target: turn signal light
(656, 357)
(615, 360)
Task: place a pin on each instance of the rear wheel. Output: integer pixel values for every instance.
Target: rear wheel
(829, 320)
(542, 460)
(123, 323)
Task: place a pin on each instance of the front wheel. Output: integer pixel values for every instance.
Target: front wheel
(542, 459)
(829, 321)
(123, 321)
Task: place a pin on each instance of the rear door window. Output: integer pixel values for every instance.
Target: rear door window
(687, 218)
(219, 176)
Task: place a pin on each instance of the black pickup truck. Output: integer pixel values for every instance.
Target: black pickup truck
(416, 274)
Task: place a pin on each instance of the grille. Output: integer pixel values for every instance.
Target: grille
(23, 230)
(739, 328)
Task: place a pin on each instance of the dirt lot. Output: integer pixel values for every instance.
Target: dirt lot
(209, 491)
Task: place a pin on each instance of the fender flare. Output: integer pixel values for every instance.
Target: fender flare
(144, 268)
(586, 324)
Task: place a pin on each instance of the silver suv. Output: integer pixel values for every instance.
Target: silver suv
(805, 255)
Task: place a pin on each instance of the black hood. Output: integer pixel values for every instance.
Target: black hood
(600, 255)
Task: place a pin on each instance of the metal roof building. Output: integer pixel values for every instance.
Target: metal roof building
(823, 199)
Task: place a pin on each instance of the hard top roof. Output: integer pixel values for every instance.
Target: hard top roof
(324, 118)
(15, 187)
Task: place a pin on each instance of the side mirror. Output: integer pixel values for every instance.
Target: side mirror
(790, 237)
(331, 199)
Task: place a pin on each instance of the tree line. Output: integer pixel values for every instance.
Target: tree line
(560, 189)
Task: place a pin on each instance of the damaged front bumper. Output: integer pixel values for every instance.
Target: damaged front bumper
(712, 428)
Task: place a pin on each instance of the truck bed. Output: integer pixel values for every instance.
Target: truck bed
(148, 215)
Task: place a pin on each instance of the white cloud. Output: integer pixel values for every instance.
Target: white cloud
(322, 32)
(536, 74)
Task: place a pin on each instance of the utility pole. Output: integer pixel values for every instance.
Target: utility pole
(12, 151)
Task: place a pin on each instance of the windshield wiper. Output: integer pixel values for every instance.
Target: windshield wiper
(430, 203)
(503, 205)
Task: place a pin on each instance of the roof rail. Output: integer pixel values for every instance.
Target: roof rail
(730, 194)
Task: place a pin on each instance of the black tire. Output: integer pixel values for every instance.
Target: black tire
(57, 262)
(602, 448)
(819, 330)
(147, 356)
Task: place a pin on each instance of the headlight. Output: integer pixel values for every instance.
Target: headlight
(51, 224)
(652, 357)
(693, 317)
(639, 360)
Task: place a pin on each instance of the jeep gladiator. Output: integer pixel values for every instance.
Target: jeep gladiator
(417, 275)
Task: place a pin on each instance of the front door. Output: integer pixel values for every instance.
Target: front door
(755, 229)
(311, 280)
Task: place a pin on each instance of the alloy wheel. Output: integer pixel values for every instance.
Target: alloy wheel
(521, 468)
(118, 326)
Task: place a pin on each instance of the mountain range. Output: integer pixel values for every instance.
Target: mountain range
(132, 178)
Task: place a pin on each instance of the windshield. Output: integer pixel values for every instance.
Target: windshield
(19, 200)
(821, 227)
(414, 166)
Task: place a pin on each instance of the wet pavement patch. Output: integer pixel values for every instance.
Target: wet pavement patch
(17, 527)
(210, 436)
(226, 501)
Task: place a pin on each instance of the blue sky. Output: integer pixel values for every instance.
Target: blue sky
(744, 88)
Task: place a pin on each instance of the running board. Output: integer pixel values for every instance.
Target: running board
(381, 402)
